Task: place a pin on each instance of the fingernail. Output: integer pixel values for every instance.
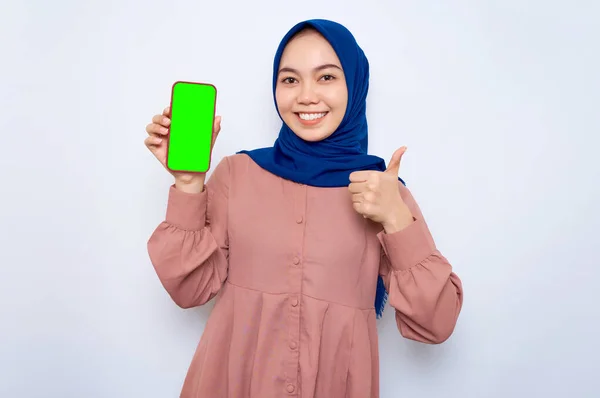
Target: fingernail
(166, 121)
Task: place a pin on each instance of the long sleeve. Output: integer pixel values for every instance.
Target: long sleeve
(189, 249)
(424, 291)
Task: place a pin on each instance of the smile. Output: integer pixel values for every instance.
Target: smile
(311, 118)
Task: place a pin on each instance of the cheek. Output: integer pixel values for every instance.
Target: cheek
(283, 101)
(338, 99)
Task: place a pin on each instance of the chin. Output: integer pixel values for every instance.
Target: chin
(311, 135)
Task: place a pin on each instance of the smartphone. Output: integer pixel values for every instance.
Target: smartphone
(189, 143)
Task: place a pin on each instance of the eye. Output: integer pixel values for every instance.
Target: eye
(327, 77)
(288, 80)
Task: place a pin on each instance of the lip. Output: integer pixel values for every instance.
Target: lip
(311, 122)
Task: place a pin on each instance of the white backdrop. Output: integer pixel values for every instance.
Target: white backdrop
(497, 102)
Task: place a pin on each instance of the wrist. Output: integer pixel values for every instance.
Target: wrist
(191, 185)
(398, 220)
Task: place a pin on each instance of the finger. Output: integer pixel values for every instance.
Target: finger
(358, 198)
(156, 129)
(359, 208)
(153, 141)
(360, 176)
(357, 187)
(394, 165)
(167, 111)
(363, 208)
(162, 120)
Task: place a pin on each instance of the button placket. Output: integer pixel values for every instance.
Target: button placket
(295, 275)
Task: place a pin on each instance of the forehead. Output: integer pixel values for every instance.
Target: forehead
(309, 46)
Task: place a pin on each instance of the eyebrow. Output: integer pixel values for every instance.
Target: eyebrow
(318, 68)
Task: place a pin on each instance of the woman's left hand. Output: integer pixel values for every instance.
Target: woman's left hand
(375, 195)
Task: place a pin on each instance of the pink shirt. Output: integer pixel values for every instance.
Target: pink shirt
(294, 269)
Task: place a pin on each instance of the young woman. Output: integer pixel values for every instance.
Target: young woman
(302, 241)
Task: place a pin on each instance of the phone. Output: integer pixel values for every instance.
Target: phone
(189, 143)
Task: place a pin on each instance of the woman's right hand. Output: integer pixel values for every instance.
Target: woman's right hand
(156, 142)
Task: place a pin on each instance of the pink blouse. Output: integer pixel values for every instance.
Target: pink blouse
(294, 269)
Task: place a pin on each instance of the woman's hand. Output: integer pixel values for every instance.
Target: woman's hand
(375, 195)
(156, 142)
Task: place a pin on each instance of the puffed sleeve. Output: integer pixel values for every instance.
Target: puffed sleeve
(189, 249)
(422, 288)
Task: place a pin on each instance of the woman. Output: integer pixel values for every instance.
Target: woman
(301, 241)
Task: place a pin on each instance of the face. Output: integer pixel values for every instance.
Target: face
(311, 91)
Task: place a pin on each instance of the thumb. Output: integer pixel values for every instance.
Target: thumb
(216, 129)
(394, 165)
(217, 125)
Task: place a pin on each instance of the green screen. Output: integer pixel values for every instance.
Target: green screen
(192, 117)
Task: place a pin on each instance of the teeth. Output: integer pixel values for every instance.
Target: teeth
(311, 116)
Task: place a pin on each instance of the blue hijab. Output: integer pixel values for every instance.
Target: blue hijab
(328, 163)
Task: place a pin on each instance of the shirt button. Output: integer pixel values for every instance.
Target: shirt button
(299, 220)
(296, 260)
(294, 302)
(290, 388)
(293, 345)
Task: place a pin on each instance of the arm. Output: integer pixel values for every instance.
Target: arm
(189, 250)
(426, 295)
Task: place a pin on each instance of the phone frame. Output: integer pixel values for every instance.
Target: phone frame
(212, 131)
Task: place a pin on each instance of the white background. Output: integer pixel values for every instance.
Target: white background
(497, 102)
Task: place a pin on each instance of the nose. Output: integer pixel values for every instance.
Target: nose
(307, 94)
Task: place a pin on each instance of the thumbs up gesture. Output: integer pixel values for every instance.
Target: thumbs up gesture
(376, 196)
